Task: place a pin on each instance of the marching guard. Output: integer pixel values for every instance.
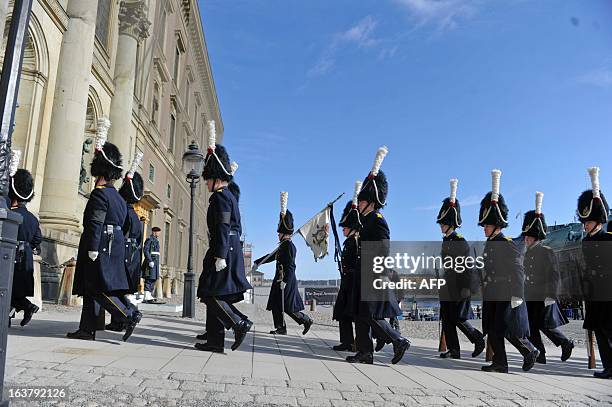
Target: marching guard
(504, 313)
(284, 296)
(455, 301)
(132, 190)
(223, 280)
(593, 212)
(541, 286)
(150, 264)
(29, 238)
(100, 276)
(370, 315)
(350, 262)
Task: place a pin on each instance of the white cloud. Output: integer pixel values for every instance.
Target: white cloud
(442, 14)
(599, 77)
(361, 35)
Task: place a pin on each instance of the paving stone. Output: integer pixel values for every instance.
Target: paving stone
(14, 362)
(500, 402)
(223, 379)
(324, 394)
(535, 403)
(127, 389)
(438, 392)
(160, 384)
(80, 376)
(151, 374)
(195, 395)
(284, 391)
(398, 398)
(187, 377)
(313, 402)
(262, 381)
(14, 371)
(241, 389)
(68, 367)
(113, 371)
(431, 400)
(275, 400)
(351, 403)
(38, 364)
(502, 395)
(465, 401)
(570, 403)
(300, 384)
(407, 390)
(91, 387)
(387, 404)
(163, 393)
(372, 388)
(340, 386)
(359, 396)
(121, 380)
(203, 387)
(234, 398)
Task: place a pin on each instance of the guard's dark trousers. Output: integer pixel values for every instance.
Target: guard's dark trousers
(220, 315)
(346, 331)
(499, 349)
(450, 333)
(91, 309)
(279, 322)
(381, 328)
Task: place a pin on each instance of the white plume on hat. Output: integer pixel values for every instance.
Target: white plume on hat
(356, 193)
(594, 174)
(380, 156)
(234, 167)
(284, 197)
(495, 182)
(212, 135)
(453, 190)
(538, 202)
(102, 132)
(135, 164)
(14, 165)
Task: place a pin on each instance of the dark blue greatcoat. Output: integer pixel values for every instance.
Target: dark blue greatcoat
(223, 220)
(105, 210)
(151, 245)
(133, 248)
(285, 271)
(597, 253)
(541, 282)
(374, 230)
(455, 296)
(30, 238)
(343, 308)
(504, 278)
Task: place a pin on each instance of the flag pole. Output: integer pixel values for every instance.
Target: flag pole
(305, 223)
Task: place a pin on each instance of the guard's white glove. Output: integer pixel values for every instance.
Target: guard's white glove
(151, 264)
(220, 264)
(515, 302)
(283, 285)
(93, 255)
(548, 301)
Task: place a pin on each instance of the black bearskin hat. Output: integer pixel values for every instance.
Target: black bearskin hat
(22, 186)
(285, 223)
(107, 162)
(217, 164)
(534, 225)
(132, 189)
(595, 209)
(350, 217)
(234, 189)
(450, 214)
(375, 190)
(493, 213)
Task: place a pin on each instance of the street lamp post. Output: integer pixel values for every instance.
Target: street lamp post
(9, 220)
(193, 164)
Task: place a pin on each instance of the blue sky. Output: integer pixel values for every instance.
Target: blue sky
(308, 90)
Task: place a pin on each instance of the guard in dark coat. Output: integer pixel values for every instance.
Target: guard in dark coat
(343, 308)
(504, 313)
(29, 238)
(100, 276)
(541, 286)
(455, 296)
(370, 313)
(284, 294)
(150, 264)
(223, 280)
(234, 188)
(593, 212)
(131, 191)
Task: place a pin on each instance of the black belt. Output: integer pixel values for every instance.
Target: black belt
(233, 233)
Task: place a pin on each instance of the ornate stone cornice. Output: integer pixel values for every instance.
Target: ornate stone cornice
(133, 19)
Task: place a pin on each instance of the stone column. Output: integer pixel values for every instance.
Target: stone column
(60, 189)
(133, 28)
(3, 12)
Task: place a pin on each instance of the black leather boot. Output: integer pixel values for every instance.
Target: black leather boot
(604, 374)
(82, 334)
(566, 350)
(133, 321)
(529, 360)
(361, 357)
(342, 347)
(307, 324)
(452, 354)
(240, 331)
(208, 348)
(28, 313)
(495, 368)
(400, 347)
(115, 326)
(202, 337)
(479, 346)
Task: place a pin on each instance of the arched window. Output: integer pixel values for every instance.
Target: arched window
(103, 22)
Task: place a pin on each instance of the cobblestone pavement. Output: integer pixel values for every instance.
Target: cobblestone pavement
(159, 367)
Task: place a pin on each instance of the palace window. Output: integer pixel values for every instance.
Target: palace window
(155, 103)
(172, 131)
(151, 172)
(177, 64)
(103, 21)
(168, 191)
(166, 242)
(195, 116)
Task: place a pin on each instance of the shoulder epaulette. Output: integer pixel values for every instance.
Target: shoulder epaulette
(100, 186)
(508, 238)
(379, 215)
(459, 235)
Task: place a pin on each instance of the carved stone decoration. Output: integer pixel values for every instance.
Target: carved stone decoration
(133, 19)
(83, 178)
